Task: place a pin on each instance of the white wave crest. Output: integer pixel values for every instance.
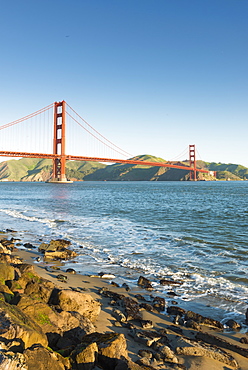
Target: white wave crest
(17, 214)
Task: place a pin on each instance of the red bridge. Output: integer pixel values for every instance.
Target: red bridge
(36, 131)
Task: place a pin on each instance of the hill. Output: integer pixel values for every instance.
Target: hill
(30, 169)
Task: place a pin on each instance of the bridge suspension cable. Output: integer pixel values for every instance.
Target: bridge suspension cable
(103, 139)
(27, 117)
(179, 156)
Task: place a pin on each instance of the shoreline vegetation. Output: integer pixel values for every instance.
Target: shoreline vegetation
(51, 319)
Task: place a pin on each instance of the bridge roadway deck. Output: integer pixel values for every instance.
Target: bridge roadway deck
(95, 159)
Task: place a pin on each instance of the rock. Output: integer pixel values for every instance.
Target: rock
(112, 347)
(14, 324)
(145, 283)
(70, 271)
(217, 341)
(124, 285)
(145, 337)
(60, 255)
(233, 325)
(159, 303)
(7, 293)
(244, 340)
(69, 300)
(147, 307)
(39, 288)
(213, 353)
(115, 284)
(174, 310)
(4, 249)
(62, 278)
(85, 356)
(145, 353)
(103, 275)
(12, 361)
(178, 320)
(54, 245)
(202, 320)
(29, 246)
(57, 250)
(40, 313)
(169, 282)
(168, 354)
(146, 324)
(7, 272)
(74, 330)
(192, 324)
(131, 308)
(119, 315)
(39, 358)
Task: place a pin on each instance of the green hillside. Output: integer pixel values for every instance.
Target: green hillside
(31, 169)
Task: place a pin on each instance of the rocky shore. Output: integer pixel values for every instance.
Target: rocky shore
(51, 319)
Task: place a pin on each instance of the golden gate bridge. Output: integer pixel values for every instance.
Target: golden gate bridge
(48, 133)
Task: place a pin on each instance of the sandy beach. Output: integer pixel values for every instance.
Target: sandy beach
(226, 341)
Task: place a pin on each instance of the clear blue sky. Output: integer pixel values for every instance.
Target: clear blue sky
(151, 75)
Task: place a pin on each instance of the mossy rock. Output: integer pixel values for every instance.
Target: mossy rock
(16, 324)
(7, 272)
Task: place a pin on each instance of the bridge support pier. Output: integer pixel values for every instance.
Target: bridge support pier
(192, 162)
(59, 144)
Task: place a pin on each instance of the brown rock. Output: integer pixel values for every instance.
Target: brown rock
(159, 303)
(169, 282)
(12, 361)
(190, 315)
(145, 283)
(7, 272)
(40, 358)
(85, 356)
(69, 300)
(112, 347)
(233, 325)
(174, 310)
(131, 308)
(14, 324)
(213, 353)
(217, 341)
(7, 293)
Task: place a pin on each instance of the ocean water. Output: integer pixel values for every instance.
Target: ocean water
(192, 232)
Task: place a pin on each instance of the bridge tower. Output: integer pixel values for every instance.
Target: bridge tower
(192, 162)
(59, 143)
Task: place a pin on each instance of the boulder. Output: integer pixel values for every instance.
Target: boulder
(112, 347)
(4, 249)
(39, 289)
(60, 255)
(57, 250)
(83, 303)
(14, 324)
(6, 292)
(12, 361)
(7, 272)
(40, 313)
(84, 356)
(39, 358)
